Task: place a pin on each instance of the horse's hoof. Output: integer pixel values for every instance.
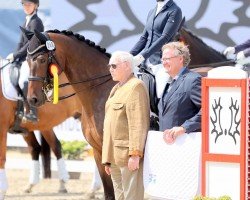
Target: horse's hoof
(63, 191)
(91, 195)
(2, 194)
(28, 190)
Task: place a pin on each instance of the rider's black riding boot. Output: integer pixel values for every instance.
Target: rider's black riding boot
(31, 111)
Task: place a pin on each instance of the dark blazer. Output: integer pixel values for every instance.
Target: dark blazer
(181, 106)
(159, 30)
(243, 47)
(35, 23)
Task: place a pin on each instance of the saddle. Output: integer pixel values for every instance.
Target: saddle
(19, 114)
(148, 78)
(146, 75)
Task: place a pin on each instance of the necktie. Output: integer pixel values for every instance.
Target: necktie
(170, 85)
(167, 88)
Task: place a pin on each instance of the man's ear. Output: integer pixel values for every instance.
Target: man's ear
(181, 59)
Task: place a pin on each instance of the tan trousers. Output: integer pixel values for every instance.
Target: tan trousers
(128, 185)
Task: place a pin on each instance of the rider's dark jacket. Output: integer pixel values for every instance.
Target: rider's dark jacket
(35, 23)
(159, 30)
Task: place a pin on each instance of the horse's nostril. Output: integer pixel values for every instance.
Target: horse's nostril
(33, 101)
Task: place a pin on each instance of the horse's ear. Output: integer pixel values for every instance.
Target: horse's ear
(40, 36)
(28, 34)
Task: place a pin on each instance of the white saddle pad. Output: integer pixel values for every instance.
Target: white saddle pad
(8, 89)
(172, 171)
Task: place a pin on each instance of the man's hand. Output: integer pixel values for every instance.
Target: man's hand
(229, 51)
(107, 170)
(170, 135)
(137, 60)
(133, 163)
(10, 57)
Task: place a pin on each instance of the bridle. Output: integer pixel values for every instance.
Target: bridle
(47, 81)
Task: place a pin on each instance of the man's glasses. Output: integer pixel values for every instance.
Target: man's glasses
(114, 66)
(168, 59)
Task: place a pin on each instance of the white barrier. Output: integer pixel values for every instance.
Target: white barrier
(225, 131)
(172, 171)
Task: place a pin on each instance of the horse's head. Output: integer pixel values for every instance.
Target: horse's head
(40, 55)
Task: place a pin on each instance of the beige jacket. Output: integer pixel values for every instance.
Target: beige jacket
(126, 122)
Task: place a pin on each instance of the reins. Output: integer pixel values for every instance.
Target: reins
(4, 65)
(217, 64)
(84, 81)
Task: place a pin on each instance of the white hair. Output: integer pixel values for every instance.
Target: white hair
(123, 56)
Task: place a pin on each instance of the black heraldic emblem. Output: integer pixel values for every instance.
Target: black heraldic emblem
(234, 124)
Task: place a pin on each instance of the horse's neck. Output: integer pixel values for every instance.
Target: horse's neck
(201, 53)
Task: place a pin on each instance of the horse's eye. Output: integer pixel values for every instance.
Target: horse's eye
(43, 60)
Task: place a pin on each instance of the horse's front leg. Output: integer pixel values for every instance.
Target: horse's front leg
(56, 147)
(34, 149)
(3, 177)
(106, 179)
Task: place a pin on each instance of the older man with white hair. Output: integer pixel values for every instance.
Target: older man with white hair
(126, 125)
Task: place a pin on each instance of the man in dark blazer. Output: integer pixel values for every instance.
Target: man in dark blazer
(180, 105)
(162, 24)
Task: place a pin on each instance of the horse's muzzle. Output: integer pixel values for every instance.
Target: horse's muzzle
(35, 101)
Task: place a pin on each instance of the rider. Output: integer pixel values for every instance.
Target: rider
(32, 22)
(242, 52)
(162, 24)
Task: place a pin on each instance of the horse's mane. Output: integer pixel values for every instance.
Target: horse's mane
(201, 41)
(81, 38)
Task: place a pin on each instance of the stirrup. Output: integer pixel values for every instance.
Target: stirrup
(31, 117)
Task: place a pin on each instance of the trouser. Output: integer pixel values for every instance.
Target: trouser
(128, 185)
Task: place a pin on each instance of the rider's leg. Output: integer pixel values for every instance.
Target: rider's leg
(30, 111)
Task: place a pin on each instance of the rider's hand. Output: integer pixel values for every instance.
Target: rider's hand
(242, 59)
(229, 51)
(10, 57)
(137, 60)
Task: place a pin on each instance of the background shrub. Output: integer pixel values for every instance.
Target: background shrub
(208, 198)
(73, 150)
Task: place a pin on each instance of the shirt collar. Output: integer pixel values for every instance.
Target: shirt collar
(181, 71)
(28, 17)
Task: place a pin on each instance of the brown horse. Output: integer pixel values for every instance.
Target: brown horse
(84, 64)
(49, 116)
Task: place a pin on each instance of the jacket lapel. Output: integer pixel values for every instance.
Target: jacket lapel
(33, 17)
(174, 87)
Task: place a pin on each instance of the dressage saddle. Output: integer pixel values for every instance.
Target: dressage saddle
(146, 75)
